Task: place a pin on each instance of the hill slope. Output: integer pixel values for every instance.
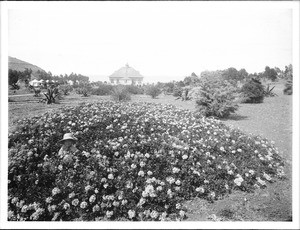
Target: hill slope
(19, 65)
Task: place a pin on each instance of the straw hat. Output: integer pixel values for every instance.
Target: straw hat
(68, 136)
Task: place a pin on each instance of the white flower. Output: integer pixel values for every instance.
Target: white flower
(239, 150)
(109, 214)
(159, 188)
(55, 191)
(141, 173)
(200, 189)
(60, 167)
(24, 208)
(142, 164)
(251, 172)
(70, 185)
(206, 181)
(149, 173)
(182, 213)
(133, 166)
(48, 200)
(124, 202)
(110, 176)
(92, 198)
(262, 182)
(154, 214)
(184, 157)
(116, 203)
(147, 155)
(87, 188)
(222, 149)
(83, 205)
(175, 170)
(178, 206)
(96, 208)
(75, 202)
(238, 181)
(230, 172)
(131, 214)
(71, 195)
(178, 182)
(66, 206)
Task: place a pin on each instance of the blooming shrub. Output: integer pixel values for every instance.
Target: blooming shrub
(216, 98)
(252, 92)
(136, 161)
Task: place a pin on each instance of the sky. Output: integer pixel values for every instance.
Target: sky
(162, 40)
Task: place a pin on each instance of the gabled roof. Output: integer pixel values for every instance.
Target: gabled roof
(126, 72)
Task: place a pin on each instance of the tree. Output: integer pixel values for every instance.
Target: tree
(13, 77)
(270, 73)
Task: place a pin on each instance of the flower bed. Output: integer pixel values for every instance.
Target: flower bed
(137, 161)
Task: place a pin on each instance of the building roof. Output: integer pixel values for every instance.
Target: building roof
(126, 72)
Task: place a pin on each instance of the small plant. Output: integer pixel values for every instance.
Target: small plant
(268, 92)
(252, 92)
(120, 93)
(52, 96)
(37, 92)
(153, 91)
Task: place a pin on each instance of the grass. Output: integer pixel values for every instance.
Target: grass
(271, 119)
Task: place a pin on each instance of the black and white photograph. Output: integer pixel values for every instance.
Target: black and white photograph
(150, 114)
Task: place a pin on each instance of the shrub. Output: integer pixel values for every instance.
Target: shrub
(153, 91)
(84, 91)
(136, 161)
(252, 92)
(120, 93)
(102, 89)
(52, 96)
(65, 89)
(288, 87)
(133, 89)
(177, 92)
(216, 98)
(268, 91)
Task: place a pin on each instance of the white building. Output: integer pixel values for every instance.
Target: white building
(126, 76)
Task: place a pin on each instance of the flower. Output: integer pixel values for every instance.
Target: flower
(142, 164)
(24, 208)
(200, 189)
(184, 157)
(251, 172)
(71, 195)
(133, 166)
(110, 176)
(141, 173)
(175, 170)
(14, 200)
(75, 202)
(238, 181)
(182, 213)
(87, 188)
(66, 206)
(149, 173)
(131, 214)
(96, 208)
(109, 214)
(83, 205)
(147, 155)
(92, 198)
(178, 206)
(55, 191)
(154, 214)
(259, 180)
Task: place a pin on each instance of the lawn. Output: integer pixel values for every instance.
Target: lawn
(271, 119)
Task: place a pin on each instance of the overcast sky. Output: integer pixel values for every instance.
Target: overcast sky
(171, 39)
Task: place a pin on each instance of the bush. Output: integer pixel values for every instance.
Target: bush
(65, 89)
(103, 89)
(288, 88)
(177, 92)
(133, 89)
(216, 98)
(153, 91)
(252, 92)
(136, 161)
(52, 96)
(120, 93)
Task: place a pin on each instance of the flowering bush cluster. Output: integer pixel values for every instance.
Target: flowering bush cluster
(136, 161)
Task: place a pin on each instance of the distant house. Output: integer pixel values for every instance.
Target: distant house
(126, 76)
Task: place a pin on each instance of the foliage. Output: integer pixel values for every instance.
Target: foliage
(120, 93)
(65, 89)
(134, 89)
(270, 73)
(14, 76)
(52, 96)
(153, 91)
(102, 89)
(252, 92)
(216, 98)
(84, 89)
(37, 92)
(177, 92)
(268, 91)
(192, 80)
(288, 75)
(136, 161)
(168, 88)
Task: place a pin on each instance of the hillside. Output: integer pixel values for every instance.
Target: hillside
(19, 65)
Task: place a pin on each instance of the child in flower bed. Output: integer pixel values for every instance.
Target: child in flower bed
(68, 149)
